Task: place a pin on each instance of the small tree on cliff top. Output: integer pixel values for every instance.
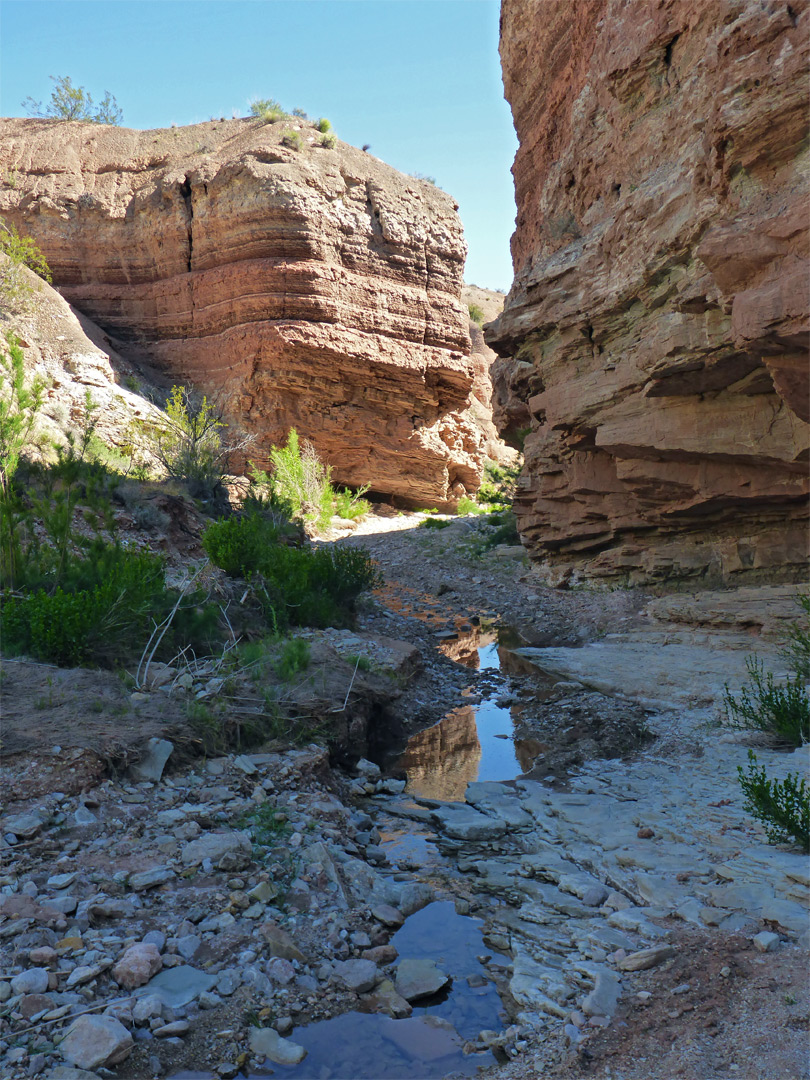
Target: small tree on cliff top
(69, 102)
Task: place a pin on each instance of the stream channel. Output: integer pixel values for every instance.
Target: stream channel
(472, 742)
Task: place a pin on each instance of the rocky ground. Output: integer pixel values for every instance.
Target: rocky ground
(191, 917)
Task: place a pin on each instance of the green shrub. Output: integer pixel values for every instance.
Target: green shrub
(267, 109)
(299, 483)
(350, 505)
(466, 505)
(328, 141)
(15, 287)
(477, 314)
(296, 586)
(69, 102)
(783, 806)
(765, 705)
(323, 125)
(292, 139)
(293, 659)
(796, 650)
(434, 523)
(108, 609)
(20, 402)
(188, 442)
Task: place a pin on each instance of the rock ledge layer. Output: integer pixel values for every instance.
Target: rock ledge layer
(313, 288)
(653, 348)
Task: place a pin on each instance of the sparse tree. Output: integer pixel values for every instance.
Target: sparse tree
(69, 102)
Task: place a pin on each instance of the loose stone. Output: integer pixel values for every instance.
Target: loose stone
(96, 1041)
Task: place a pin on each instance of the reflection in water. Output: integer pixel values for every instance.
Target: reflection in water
(527, 751)
(475, 742)
(428, 1045)
(441, 760)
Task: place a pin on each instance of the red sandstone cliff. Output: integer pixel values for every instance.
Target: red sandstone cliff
(654, 343)
(313, 288)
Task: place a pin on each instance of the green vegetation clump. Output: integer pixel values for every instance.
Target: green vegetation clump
(296, 586)
(783, 806)
(300, 485)
(292, 139)
(782, 710)
(498, 486)
(476, 314)
(69, 102)
(328, 141)
(796, 650)
(20, 401)
(21, 251)
(188, 442)
(466, 506)
(72, 591)
(323, 125)
(267, 109)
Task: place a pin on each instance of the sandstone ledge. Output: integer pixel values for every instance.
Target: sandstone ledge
(316, 288)
(653, 348)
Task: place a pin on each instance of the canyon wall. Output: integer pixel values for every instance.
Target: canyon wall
(313, 288)
(653, 348)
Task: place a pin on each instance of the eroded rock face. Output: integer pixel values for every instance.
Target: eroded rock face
(317, 288)
(653, 348)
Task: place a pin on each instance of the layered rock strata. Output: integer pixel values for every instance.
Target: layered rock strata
(653, 347)
(312, 288)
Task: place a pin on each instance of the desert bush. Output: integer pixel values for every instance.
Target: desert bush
(69, 102)
(15, 286)
(466, 505)
(238, 544)
(783, 806)
(323, 125)
(350, 504)
(91, 622)
(476, 314)
(780, 709)
(188, 442)
(328, 141)
(267, 109)
(299, 483)
(293, 658)
(20, 402)
(296, 586)
(292, 139)
(796, 650)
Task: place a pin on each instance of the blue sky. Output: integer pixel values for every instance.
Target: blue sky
(419, 80)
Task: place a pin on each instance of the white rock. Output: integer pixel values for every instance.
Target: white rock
(96, 1041)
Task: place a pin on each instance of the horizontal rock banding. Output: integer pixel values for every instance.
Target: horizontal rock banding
(653, 348)
(318, 289)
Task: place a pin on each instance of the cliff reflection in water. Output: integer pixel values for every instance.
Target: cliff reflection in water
(442, 760)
